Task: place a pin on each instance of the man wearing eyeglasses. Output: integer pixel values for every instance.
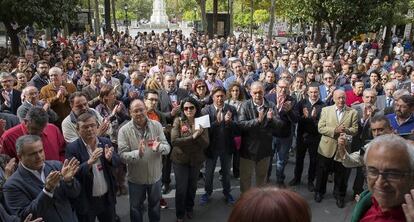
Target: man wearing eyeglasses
(389, 161)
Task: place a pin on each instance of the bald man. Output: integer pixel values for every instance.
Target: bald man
(335, 119)
(141, 144)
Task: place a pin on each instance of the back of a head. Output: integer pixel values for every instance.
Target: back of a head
(269, 204)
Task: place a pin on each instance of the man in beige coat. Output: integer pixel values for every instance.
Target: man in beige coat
(335, 120)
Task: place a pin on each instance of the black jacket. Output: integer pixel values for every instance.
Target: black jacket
(308, 127)
(257, 137)
(222, 130)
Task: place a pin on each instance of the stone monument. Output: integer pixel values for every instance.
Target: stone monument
(159, 16)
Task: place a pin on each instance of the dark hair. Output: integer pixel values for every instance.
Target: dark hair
(192, 101)
(150, 91)
(268, 204)
(106, 65)
(408, 99)
(105, 90)
(40, 62)
(95, 71)
(381, 118)
(84, 117)
(241, 93)
(38, 116)
(218, 89)
(76, 94)
(197, 83)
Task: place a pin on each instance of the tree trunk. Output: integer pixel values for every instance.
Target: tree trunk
(97, 20)
(231, 11)
(317, 33)
(215, 9)
(107, 8)
(387, 41)
(272, 19)
(202, 4)
(251, 17)
(113, 15)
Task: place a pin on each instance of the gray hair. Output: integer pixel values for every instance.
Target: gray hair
(24, 140)
(4, 75)
(256, 83)
(369, 90)
(401, 92)
(169, 74)
(392, 141)
(55, 69)
(26, 90)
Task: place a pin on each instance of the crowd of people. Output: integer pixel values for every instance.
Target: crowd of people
(87, 118)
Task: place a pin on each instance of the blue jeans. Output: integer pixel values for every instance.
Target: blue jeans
(281, 147)
(137, 195)
(225, 162)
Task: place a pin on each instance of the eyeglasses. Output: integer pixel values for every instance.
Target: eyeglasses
(326, 78)
(373, 174)
(186, 108)
(211, 73)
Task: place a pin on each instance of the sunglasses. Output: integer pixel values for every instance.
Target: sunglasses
(186, 108)
(211, 73)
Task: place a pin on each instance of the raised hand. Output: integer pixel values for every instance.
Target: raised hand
(141, 148)
(29, 219)
(269, 114)
(108, 152)
(52, 180)
(305, 112)
(408, 206)
(314, 114)
(10, 167)
(228, 116)
(261, 115)
(69, 169)
(96, 154)
(103, 127)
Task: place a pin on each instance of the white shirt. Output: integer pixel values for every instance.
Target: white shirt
(339, 113)
(99, 183)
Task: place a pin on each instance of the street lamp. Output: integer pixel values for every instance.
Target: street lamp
(126, 17)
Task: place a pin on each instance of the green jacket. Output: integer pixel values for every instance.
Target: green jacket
(362, 206)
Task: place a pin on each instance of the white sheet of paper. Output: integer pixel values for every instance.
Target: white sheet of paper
(204, 121)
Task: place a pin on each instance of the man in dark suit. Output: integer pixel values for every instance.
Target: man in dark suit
(42, 188)
(308, 137)
(223, 129)
(10, 98)
(169, 103)
(97, 160)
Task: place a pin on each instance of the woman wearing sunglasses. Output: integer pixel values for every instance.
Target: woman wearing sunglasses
(187, 156)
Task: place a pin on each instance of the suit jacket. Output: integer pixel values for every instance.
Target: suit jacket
(23, 194)
(327, 124)
(364, 128)
(16, 101)
(407, 86)
(38, 82)
(165, 105)
(257, 137)
(25, 107)
(92, 95)
(221, 131)
(308, 127)
(78, 150)
(381, 104)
